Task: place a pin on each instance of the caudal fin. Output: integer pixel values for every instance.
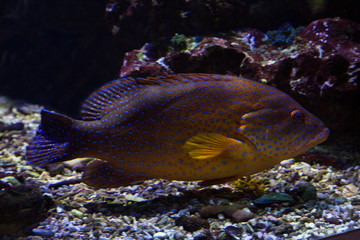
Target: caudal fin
(51, 142)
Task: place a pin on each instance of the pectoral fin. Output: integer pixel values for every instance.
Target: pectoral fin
(209, 145)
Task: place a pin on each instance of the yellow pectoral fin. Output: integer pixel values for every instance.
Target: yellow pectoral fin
(209, 145)
(205, 145)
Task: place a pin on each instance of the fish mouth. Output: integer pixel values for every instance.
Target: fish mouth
(320, 137)
(317, 139)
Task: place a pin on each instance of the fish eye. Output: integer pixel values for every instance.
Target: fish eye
(297, 115)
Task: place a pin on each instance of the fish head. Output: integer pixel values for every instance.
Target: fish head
(305, 131)
(282, 129)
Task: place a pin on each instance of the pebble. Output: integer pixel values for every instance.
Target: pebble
(33, 174)
(109, 229)
(164, 220)
(306, 191)
(11, 127)
(274, 219)
(310, 225)
(161, 235)
(203, 237)
(339, 200)
(77, 213)
(261, 224)
(43, 232)
(192, 224)
(274, 197)
(179, 235)
(242, 216)
(12, 180)
(234, 233)
(333, 220)
(55, 169)
(322, 196)
(209, 211)
(88, 219)
(283, 228)
(288, 162)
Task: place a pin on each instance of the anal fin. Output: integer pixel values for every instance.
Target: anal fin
(102, 174)
(217, 181)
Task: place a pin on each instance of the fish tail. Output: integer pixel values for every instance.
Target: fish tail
(52, 140)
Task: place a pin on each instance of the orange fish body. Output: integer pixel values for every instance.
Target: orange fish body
(180, 127)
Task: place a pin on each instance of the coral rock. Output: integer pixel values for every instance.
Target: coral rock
(21, 208)
(323, 75)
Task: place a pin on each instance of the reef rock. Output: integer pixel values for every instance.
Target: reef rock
(318, 65)
(21, 207)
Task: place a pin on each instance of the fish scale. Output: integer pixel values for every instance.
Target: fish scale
(180, 127)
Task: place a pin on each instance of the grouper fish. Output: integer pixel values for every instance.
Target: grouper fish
(189, 127)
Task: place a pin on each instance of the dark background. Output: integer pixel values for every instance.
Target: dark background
(55, 53)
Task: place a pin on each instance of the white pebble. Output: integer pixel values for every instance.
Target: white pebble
(160, 235)
(310, 225)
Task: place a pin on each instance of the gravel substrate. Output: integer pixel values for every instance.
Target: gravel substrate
(151, 210)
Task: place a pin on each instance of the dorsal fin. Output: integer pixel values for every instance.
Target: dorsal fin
(100, 101)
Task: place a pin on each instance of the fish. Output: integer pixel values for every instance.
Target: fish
(188, 127)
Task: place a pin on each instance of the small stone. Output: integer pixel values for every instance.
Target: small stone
(23, 109)
(223, 236)
(32, 174)
(192, 224)
(12, 180)
(283, 228)
(288, 162)
(104, 238)
(88, 219)
(339, 200)
(164, 220)
(242, 216)
(65, 182)
(12, 127)
(72, 229)
(109, 229)
(270, 198)
(179, 236)
(43, 232)
(306, 191)
(127, 220)
(79, 167)
(77, 213)
(310, 225)
(210, 211)
(230, 209)
(333, 220)
(261, 224)
(86, 229)
(131, 197)
(274, 219)
(322, 196)
(25, 168)
(203, 237)
(55, 169)
(160, 235)
(234, 233)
